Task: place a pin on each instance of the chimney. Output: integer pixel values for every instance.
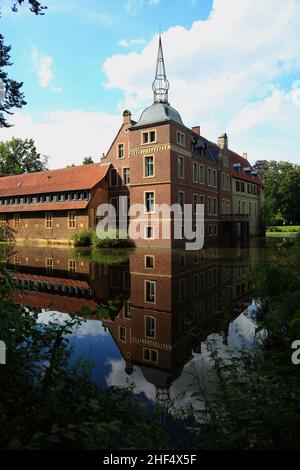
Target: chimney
(245, 155)
(223, 141)
(196, 130)
(127, 117)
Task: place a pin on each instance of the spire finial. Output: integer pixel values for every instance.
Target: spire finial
(160, 85)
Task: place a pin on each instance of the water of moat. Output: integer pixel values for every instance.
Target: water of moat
(156, 340)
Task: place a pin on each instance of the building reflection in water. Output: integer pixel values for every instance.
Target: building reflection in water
(170, 302)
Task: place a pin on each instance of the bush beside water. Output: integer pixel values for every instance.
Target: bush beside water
(107, 239)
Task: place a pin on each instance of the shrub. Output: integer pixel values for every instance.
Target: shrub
(111, 238)
(83, 238)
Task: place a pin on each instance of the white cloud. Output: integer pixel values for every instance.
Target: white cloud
(153, 2)
(43, 65)
(66, 136)
(132, 6)
(131, 42)
(224, 73)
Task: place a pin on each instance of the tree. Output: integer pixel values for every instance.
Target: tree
(11, 95)
(20, 156)
(35, 6)
(87, 161)
(282, 192)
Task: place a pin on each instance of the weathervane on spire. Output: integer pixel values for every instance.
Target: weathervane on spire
(160, 85)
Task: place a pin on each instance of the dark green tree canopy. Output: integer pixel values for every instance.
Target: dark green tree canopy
(12, 96)
(87, 161)
(20, 156)
(282, 193)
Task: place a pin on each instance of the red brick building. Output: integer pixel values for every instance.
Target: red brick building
(52, 205)
(156, 160)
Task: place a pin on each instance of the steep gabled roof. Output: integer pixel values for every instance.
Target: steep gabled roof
(64, 179)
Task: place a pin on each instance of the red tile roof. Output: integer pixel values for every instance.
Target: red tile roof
(235, 158)
(48, 301)
(51, 279)
(64, 179)
(47, 206)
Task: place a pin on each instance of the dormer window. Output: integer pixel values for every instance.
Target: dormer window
(149, 137)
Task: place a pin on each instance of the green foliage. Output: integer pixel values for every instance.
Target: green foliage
(49, 404)
(254, 402)
(282, 193)
(103, 256)
(20, 156)
(34, 5)
(285, 229)
(87, 161)
(83, 238)
(13, 97)
(111, 238)
(107, 239)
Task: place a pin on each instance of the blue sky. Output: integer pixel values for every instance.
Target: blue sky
(80, 35)
(233, 66)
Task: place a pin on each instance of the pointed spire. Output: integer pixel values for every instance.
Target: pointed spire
(160, 85)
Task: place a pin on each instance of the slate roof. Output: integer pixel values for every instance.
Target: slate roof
(157, 113)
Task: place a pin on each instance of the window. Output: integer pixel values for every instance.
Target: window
(148, 137)
(195, 173)
(242, 187)
(210, 230)
(201, 174)
(215, 206)
(150, 355)
(113, 177)
(150, 291)
(49, 264)
(182, 261)
(17, 221)
(122, 334)
(72, 266)
(215, 230)
(215, 178)
(149, 166)
(149, 262)
(121, 151)
(180, 138)
(149, 232)
(210, 207)
(180, 167)
(209, 177)
(127, 309)
(150, 327)
(126, 176)
(181, 199)
(2, 220)
(71, 220)
(237, 186)
(149, 202)
(48, 220)
(226, 181)
(195, 202)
